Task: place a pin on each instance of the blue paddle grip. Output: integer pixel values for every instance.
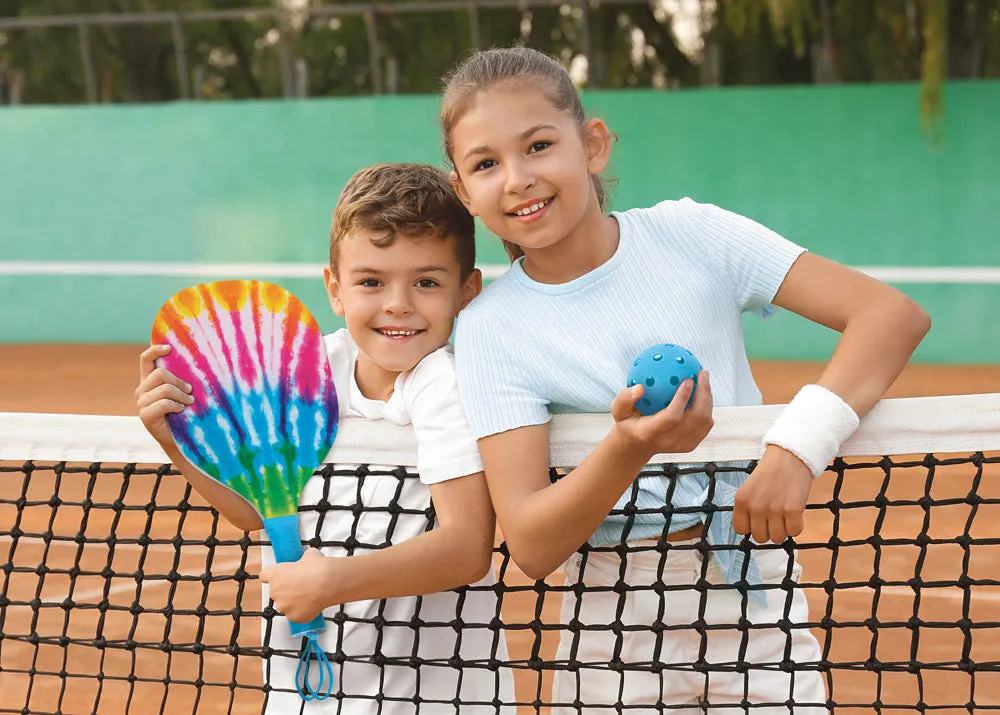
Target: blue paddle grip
(283, 531)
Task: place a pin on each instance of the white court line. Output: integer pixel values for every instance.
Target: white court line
(890, 274)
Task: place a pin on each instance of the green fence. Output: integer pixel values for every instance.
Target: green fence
(846, 171)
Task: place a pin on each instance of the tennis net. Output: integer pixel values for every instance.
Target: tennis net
(122, 592)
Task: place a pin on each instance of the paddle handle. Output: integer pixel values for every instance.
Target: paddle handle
(283, 531)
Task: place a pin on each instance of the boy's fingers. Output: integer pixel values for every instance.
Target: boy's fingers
(164, 392)
(161, 376)
(147, 360)
(159, 409)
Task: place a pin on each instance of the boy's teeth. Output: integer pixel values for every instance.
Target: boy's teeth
(398, 332)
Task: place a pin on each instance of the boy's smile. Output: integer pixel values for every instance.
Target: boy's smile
(399, 302)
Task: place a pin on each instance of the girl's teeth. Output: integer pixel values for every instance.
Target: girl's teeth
(530, 209)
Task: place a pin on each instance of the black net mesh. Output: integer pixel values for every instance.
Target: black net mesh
(121, 592)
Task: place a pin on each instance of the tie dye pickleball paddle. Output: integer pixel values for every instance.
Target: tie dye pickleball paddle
(265, 410)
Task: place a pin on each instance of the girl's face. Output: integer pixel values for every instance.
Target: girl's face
(525, 169)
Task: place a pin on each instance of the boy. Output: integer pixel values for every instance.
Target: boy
(402, 265)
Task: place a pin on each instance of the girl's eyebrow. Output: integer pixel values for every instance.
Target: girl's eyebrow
(484, 149)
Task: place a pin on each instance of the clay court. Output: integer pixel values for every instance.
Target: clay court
(100, 380)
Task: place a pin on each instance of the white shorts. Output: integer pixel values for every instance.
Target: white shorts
(599, 689)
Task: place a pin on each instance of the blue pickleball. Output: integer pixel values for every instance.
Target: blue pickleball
(661, 369)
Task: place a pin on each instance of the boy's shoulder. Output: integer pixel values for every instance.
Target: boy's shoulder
(436, 368)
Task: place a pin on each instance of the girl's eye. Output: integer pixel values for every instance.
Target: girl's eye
(485, 164)
(427, 283)
(369, 283)
(538, 146)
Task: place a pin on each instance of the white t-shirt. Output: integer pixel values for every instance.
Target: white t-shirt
(368, 507)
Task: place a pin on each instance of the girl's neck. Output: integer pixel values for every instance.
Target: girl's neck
(591, 244)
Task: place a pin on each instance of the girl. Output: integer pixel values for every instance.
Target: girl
(586, 293)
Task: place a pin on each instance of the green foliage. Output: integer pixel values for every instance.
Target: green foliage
(316, 54)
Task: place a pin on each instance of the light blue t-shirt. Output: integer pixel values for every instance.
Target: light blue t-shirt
(683, 273)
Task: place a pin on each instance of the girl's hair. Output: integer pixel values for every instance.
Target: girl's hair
(485, 69)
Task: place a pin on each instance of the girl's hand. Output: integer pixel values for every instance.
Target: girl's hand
(772, 501)
(673, 429)
(159, 393)
(297, 588)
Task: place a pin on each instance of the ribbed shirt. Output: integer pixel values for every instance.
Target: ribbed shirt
(683, 273)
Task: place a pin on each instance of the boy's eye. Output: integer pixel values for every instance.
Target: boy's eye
(427, 283)
(369, 283)
(538, 146)
(485, 164)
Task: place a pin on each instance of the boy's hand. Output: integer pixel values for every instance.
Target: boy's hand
(159, 393)
(771, 503)
(296, 588)
(671, 430)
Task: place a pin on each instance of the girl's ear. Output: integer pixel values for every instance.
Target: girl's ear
(333, 290)
(463, 195)
(597, 139)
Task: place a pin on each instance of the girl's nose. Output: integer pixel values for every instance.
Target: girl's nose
(519, 178)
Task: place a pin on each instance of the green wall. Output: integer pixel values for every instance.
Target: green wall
(845, 171)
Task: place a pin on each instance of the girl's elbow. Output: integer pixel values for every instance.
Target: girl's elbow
(914, 319)
(532, 564)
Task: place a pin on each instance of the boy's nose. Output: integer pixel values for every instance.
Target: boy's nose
(399, 303)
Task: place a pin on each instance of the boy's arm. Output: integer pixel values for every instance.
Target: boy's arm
(456, 553)
(159, 393)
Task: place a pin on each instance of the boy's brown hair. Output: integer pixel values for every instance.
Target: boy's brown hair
(412, 200)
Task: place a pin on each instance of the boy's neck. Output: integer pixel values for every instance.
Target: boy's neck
(374, 381)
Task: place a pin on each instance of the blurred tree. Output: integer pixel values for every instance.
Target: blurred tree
(735, 42)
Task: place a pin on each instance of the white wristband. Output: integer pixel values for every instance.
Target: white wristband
(813, 427)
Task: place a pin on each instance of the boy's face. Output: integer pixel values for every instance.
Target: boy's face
(399, 301)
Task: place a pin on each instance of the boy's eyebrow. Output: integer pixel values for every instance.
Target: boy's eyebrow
(418, 269)
(524, 135)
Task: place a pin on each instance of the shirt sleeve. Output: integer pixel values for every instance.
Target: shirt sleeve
(495, 388)
(446, 448)
(753, 259)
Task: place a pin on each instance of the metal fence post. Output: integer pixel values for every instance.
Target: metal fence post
(180, 55)
(88, 65)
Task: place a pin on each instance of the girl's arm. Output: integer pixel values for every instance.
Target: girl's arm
(881, 328)
(544, 523)
(456, 553)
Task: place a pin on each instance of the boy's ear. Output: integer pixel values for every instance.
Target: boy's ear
(597, 139)
(473, 287)
(333, 290)
(463, 195)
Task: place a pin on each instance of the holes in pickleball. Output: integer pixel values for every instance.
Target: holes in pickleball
(646, 402)
(650, 381)
(657, 357)
(679, 359)
(675, 381)
(636, 363)
(631, 383)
